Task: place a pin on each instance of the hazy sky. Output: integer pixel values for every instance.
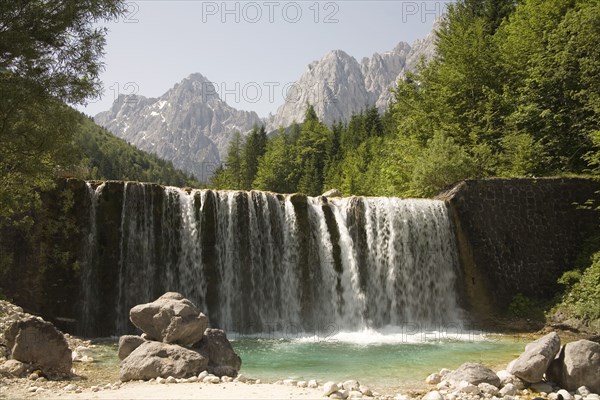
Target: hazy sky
(249, 49)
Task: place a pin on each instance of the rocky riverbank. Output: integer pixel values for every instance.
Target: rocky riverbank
(172, 324)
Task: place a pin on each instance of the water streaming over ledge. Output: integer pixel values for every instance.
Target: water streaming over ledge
(259, 262)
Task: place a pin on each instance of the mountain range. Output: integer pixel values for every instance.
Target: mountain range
(191, 125)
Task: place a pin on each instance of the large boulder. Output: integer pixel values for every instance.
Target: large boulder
(578, 364)
(533, 363)
(170, 319)
(154, 359)
(127, 344)
(474, 374)
(37, 342)
(222, 360)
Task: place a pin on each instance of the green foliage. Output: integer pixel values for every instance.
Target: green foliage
(100, 155)
(521, 306)
(581, 299)
(50, 54)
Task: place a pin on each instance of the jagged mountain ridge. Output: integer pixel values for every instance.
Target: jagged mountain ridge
(188, 125)
(191, 125)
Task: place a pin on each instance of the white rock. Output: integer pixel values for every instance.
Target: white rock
(302, 384)
(211, 379)
(565, 395)
(434, 395)
(313, 384)
(345, 393)
(401, 396)
(488, 389)
(508, 390)
(241, 378)
(355, 394)
(445, 371)
(578, 397)
(161, 380)
(336, 395)
(202, 375)
(433, 379)
(329, 388)
(290, 382)
(170, 379)
(94, 388)
(32, 389)
(70, 387)
(365, 390)
(258, 381)
(192, 379)
(182, 380)
(583, 391)
(592, 396)
(552, 396)
(351, 385)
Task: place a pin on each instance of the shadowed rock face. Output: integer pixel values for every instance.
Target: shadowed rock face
(533, 363)
(578, 364)
(37, 342)
(222, 359)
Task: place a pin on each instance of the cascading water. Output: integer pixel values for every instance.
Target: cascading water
(258, 262)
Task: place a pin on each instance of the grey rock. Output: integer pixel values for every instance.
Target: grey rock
(155, 359)
(127, 344)
(564, 394)
(13, 368)
(170, 319)
(37, 342)
(534, 361)
(474, 374)
(222, 360)
(578, 364)
(508, 390)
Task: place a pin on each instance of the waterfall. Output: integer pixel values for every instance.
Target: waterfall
(262, 262)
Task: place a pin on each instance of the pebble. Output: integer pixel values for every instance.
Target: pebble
(433, 379)
(592, 396)
(258, 381)
(578, 397)
(350, 385)
(313, 384)
(583, 391)
(488, 389)
(33, 376)
(434, 395)
(290, 382)
(202, 375)
(241, 378)
(336, 395)
(355, 394)
(161, 380)
(365, 390)
(565, 394)
(70, 387)
(32, 389)
(302, 384)
(94, 388)
(170, 379)
(444, 372)
(193, 379)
